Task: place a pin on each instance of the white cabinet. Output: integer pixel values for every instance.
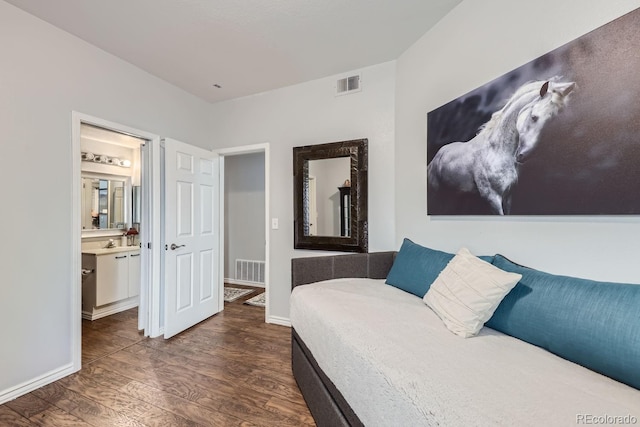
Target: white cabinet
(112, 278)
(114, 281)
(134, 274)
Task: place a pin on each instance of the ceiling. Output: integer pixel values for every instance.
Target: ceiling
(244, 46)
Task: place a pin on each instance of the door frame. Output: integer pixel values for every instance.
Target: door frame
(238, 151)
(150, 178)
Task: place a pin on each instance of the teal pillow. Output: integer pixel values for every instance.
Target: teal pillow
(594, 324)
(416, 267)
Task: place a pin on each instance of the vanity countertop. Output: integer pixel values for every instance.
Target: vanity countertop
(105, 251)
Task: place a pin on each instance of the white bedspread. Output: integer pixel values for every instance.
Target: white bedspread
(397, 365)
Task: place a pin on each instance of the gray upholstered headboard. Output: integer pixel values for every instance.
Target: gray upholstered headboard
(374, 265)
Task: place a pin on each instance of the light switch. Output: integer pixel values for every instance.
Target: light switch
(274, 223)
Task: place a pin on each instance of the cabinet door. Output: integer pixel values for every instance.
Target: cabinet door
(112, 278)
(134, 273)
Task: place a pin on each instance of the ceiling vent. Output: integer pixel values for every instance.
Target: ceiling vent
(348, 85)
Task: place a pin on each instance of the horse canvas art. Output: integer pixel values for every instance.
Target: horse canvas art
(559, 135)
(488, 164)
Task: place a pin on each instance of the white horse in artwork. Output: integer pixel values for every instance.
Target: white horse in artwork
(488, 164)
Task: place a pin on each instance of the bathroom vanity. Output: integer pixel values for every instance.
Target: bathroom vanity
(111, 280)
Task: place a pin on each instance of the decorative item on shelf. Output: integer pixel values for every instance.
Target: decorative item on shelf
(101, 158)
(131, 236)
(347, 183)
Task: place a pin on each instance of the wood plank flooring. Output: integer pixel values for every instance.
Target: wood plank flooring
(230, 370)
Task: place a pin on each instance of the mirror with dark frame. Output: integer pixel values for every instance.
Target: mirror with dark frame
(330, 196)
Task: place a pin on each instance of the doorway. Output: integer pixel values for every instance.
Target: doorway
(246, 225)
(167, 292)
(120, 157)
(111, 221)
(244, 228)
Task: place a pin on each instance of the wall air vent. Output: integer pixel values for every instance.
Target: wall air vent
(348, 85)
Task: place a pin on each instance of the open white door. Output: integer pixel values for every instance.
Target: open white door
(191, 235)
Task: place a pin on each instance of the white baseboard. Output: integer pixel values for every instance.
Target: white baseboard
(29, 386)
(277, 320)
(243, 282)
(108, 310)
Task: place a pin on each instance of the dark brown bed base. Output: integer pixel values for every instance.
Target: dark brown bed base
(326, 403)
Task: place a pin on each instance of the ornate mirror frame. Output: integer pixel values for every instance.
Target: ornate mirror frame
(356, 150)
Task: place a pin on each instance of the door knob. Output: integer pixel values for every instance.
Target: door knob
(174, 246)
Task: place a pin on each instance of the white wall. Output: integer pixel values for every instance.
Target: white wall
(244, 209)
(310, 113)
(45, 75)
(477, 42)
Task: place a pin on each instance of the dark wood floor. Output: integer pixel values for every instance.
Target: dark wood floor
(230, 370)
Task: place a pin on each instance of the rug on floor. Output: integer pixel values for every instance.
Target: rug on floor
(258, 300)
(232, 294)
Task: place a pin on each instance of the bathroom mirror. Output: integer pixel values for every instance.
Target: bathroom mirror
(104, 203)
(330, 196)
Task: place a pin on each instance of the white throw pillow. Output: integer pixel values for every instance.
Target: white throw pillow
(467, 292)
